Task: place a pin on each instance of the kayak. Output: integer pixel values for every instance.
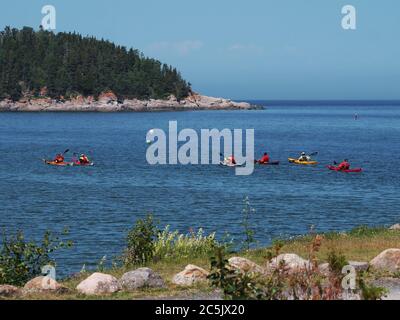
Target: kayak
(78, 164)
(59, 164)
(271, 163)
(67, 164)
(296, 161)
(333, 168)
(227, 164)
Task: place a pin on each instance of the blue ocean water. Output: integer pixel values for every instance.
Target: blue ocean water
(100, 203)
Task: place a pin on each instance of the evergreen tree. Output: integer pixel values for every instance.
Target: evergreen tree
(68, 64)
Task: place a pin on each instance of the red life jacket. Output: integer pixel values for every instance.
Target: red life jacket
(344, 166)
(264, 159)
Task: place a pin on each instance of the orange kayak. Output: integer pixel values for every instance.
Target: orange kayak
(59, 164)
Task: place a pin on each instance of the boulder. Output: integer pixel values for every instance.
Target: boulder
(98, 283)
(388, 260)
(141, 278)
(395, 227)
(43, 284)
(9, 291)
(359, 266)
(245, 265)
(190, 275)
(293, 263)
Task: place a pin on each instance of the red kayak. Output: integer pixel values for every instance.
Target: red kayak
(333, 168)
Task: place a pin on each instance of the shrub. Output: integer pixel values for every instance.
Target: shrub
(146, 243)
(22, 260)
(140, 242)
(336, 261)
(370, 292)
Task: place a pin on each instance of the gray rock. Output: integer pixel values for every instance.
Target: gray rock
(141, 278)
(359, 266)
(388, 260)
(395, 227)
(98, 283)
(392, 285)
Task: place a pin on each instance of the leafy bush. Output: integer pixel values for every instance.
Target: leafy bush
(370, 292)
(146, 243)
(336, 261)
(22, 260)
(235, 285)
(141, 242)
(172, 244)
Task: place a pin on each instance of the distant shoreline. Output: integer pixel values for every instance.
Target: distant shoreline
(108, 102)
(325, 102)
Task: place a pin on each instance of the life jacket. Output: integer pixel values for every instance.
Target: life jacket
(344, 166)
(59, 158)
(84, 159)
(264, 159)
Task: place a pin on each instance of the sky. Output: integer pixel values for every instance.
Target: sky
(254, 49)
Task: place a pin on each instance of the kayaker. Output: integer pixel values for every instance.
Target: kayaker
(304, 157)
(59, 158)
(230, 160)
(264, 159)
(345, 165)
(83, 159)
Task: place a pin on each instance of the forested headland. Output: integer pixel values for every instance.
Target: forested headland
(65, 65)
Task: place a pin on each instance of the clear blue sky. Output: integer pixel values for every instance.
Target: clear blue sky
(259, 49)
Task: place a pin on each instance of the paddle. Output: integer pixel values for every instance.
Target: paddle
(313, 154)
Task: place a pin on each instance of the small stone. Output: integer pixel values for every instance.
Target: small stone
(192, 274)
(388, 260)
(245, 265)
(98, 283)
(395, 227)
(141, 278)
(9, 291)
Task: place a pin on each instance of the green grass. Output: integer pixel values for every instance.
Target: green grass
(360, 244)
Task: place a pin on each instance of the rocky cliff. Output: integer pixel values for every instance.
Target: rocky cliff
(108, 102)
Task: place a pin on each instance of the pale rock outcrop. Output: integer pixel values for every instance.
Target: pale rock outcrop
(98, 283)
(108, 102)
(388, 260)
(244, 265)
(141, 278)
(190, 275)
(395, 227)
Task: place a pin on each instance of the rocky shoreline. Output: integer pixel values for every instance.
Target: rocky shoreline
(108, 102)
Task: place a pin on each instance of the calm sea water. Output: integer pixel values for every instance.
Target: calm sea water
(100, 203)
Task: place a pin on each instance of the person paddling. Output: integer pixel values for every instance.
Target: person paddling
(230, 160)
(304, 157)
(83, 159)
(264, 159)
(59, 158)
(345, 165)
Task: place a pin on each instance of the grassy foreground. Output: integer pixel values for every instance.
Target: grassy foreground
(360, 244)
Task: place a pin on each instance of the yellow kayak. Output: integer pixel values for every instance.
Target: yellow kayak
(307, 163)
